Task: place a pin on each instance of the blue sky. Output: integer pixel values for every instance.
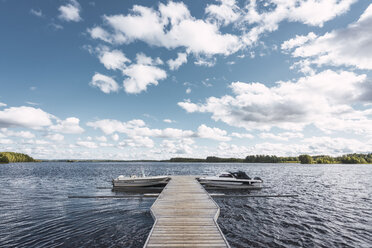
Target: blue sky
(155, 80)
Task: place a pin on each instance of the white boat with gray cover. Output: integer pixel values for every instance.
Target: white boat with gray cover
(134, 181)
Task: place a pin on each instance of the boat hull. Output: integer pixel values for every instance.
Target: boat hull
(140, 182)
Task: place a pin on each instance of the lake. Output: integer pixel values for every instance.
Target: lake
(333, 209)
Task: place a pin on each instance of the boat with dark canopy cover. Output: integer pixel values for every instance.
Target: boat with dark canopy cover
(230, 180)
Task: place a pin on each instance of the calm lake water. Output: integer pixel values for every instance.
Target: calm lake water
(334, 207)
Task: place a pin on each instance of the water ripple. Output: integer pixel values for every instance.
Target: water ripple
(333, 208)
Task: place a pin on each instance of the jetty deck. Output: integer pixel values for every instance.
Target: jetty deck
(185, 216)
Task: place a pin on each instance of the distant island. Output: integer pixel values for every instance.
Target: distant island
(14, 157)
(355, 158)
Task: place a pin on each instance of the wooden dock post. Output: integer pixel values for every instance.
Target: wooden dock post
(185, 216)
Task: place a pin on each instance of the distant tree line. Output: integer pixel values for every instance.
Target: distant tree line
(213, 159)
(14, 157)
(187, 160)
(98, 160)
(355, 158)
(248, 159)
(269, 159)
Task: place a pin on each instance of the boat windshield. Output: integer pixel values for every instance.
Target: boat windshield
(240, 175)
(226, 175)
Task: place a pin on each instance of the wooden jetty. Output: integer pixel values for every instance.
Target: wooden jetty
(185, 216)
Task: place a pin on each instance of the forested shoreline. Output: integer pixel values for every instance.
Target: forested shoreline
(355, 158)
(14, 157)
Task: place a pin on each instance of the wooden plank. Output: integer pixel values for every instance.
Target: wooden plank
(185, 216)
(187, 245)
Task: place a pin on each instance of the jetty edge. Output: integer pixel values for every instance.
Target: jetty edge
(185, 216)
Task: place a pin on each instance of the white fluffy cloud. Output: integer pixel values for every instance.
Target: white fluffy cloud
(351, 46)
(105, 83)
(281, 136)
(100, 33)
(145, 60)
(113, 60)
(70, 11)
(22, 134)
(23, 116)
(226, 12)
(310, 12)
(314, 12)
(324, 99)
(87, 144)
(189, 106)
(231, 150)
(242, 135)
(115, 137)
(168, 121)
(104, 144)
(142, 74)
(181, 59)
(111, 126)
(37, 13)
(173, 133)
(170, 26)
(69, 125)
(138, 141)
(206, 61)
(6, 141)
(37, 119)
(313, 146)
(2, 104)
(55, 137)
(138, 75)
(335, 146)
(212, 133)
(101, 139)
(298, 41)
(138, 128)
(181, 146)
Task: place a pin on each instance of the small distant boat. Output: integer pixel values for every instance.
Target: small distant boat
(134, 181)
(232, 180)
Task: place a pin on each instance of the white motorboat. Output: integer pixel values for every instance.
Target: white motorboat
(232, 180)
(134, 181)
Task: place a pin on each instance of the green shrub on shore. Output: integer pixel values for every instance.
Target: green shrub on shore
(356, 159)
(14, 157)
(3, 159)
(305, 159)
